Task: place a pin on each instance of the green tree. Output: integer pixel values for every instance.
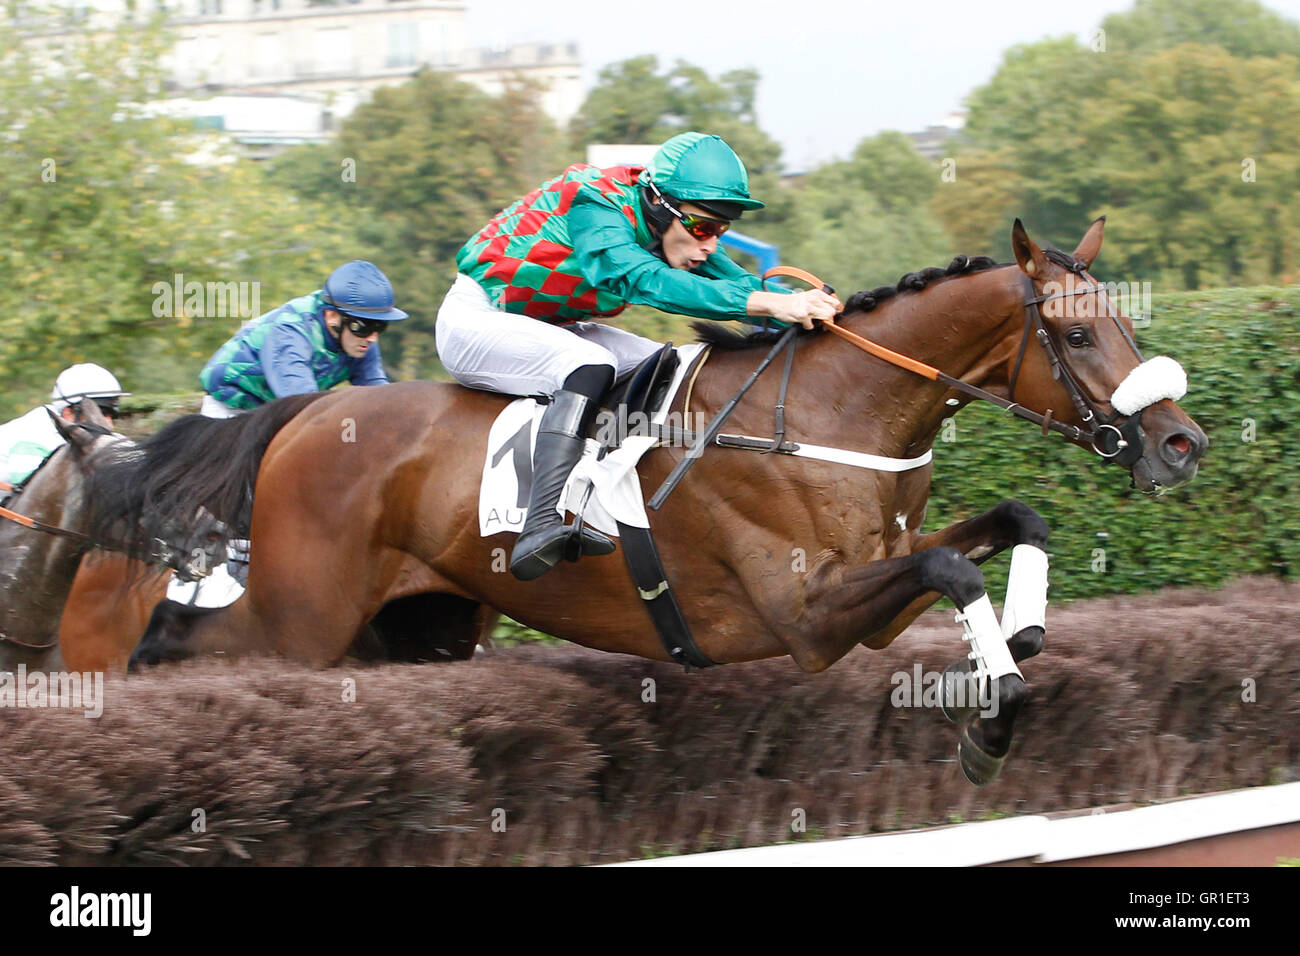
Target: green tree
(1199, 156)
(865, 221)
(104, 199)
(416, 172)
(628, 105)
(1242, 27)
(1022, 124)
(1189, 146)
(634, 102)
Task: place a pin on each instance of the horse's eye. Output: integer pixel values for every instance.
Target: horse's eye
(1077, 338)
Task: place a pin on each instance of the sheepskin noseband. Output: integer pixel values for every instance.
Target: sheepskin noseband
(1152, 381)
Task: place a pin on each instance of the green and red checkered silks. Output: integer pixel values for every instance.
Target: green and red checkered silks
(524, 257)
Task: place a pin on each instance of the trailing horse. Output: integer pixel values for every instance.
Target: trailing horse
(65, 606)
(36, 568)
(361, 487)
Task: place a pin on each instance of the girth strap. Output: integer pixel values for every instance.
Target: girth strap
(652, 585)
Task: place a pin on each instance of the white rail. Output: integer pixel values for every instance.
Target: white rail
(1039, 838)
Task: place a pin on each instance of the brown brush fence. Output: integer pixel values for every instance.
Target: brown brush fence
(1135, 699)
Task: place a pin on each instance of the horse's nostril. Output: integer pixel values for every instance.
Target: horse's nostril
(1178, 449)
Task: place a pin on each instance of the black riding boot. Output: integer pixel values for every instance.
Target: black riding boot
(559, 446)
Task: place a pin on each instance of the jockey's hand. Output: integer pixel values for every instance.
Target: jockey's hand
(806, 308)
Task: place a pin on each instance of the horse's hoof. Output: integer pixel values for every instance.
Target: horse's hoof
(979, 766)
(1026, 643)
(954, 675)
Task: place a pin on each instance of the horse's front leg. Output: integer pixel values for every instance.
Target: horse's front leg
(882, 598)
(1011, 524)
(841, 603)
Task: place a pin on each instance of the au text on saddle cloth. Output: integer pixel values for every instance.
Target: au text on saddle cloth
(615, 489)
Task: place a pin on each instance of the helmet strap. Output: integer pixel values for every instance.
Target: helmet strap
(657, 217)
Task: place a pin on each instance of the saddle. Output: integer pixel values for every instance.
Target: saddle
(640, 391)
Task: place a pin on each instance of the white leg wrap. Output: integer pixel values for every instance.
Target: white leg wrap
(218, 589)
(989, 654)
(1026, 603)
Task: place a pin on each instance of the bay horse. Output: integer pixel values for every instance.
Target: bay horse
(64, 606)
(360, 484)
(112, 596)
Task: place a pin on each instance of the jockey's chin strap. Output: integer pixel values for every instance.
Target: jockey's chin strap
(1107, 440)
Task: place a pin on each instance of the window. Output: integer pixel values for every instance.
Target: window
(334, 50)
(267, 53)
(403, 43)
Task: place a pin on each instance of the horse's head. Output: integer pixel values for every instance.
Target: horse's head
(36, 568)
(1079, 359)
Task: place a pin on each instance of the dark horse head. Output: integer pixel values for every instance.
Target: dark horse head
(37, 568)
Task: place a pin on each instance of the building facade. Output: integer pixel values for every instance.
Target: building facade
(259, 59)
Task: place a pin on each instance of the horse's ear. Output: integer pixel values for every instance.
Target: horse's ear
(88, 411)
(1031, 258)
(66, 429)
(1090, 244)
(72, 432)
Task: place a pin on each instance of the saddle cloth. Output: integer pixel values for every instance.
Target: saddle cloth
(610, 486)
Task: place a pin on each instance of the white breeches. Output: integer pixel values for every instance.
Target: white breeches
(485, 347)
(214, 409)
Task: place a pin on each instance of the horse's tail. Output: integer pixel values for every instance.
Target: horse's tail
(157, 488)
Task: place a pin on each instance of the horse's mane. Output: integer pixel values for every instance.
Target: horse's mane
(722, 337)
(156, 488)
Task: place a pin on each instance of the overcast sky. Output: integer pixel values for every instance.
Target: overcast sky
(833, 71)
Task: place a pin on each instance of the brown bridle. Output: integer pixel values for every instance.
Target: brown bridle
(163, 554)
(1121, 444)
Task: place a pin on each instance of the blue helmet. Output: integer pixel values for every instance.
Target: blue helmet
(359, 289)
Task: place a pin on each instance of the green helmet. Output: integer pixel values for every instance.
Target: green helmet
(701, 169)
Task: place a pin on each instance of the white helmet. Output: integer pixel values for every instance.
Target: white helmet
(84, 381)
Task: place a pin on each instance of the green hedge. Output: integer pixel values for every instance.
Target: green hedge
(1241, 350)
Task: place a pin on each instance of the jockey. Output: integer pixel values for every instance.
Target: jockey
(306, 345)
(309, 344)
(29, 439)
(583, 246)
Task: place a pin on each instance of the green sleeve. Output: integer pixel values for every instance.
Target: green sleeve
(722, 266)
(612, 261)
